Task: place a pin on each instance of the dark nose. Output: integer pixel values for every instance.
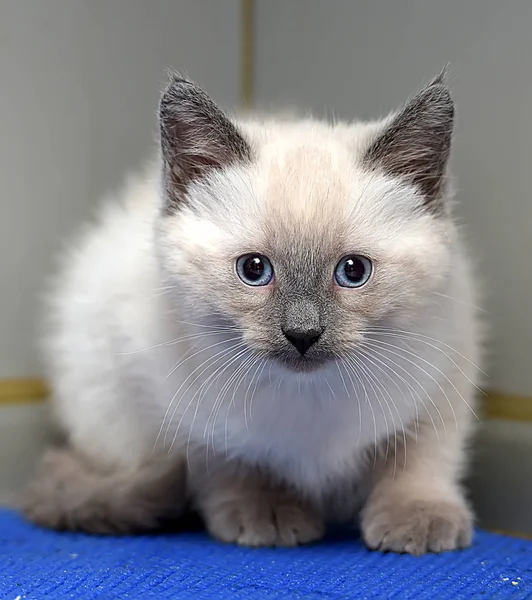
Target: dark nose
(302, 339)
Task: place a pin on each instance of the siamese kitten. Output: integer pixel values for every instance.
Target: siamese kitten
(274, 325)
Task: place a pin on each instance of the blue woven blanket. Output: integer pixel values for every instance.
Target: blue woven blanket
(42, 564)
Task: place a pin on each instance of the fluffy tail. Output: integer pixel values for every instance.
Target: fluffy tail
(69, 494)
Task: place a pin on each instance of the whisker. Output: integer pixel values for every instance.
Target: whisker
(203, 392)
(216, 409)
(359, 380)
(385, 393)
(186, 359)
(372, 361)
(421, 337)
(247, 392)
(177, 392)
(234, 378)
(162, 291)
(459, 301)
(375, 356)
(338, 357)
(413, 339)
(217, 357)
(208, 326)
(172, 342)
(220, 399)
(439, 371)
(333, 395)
(264, 363)
(165, 287)
(386, 346)
(365, 373)
(342, 377)
(376, 352)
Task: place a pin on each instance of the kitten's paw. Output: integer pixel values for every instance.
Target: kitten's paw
(44, 500)
(67, 494)
(417, 526)
(265, 519)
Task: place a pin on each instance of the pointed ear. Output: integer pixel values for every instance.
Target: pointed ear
(196, 138)
(416, 142)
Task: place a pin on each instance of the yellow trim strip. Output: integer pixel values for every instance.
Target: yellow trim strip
(247, 58)
(14, 391)
(499, 405)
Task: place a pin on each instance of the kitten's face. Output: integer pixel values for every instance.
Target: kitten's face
(302, 238)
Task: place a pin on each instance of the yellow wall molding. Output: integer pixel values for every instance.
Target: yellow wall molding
(499, 405)
(13, 391)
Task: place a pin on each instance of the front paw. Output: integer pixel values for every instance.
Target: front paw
(415, 526)
(263, 519)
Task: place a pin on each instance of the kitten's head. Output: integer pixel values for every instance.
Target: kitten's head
(304, 235)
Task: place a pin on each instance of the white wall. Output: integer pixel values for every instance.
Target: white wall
(364, 58)
(79, 88)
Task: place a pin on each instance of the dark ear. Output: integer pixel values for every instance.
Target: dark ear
(415, 145)
(196, 137)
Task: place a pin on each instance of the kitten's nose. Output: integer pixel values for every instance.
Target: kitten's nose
(302, 339)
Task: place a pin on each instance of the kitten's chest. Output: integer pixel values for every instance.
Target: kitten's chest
(307, 430)
(305, 435)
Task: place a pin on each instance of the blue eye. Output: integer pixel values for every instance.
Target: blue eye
(353, 271)
(254, 269)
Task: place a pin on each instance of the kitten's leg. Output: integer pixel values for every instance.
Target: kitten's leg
(416, 505)
(241, 505)
(69, 493)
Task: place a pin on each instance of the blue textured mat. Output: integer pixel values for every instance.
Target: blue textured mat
(41, 564)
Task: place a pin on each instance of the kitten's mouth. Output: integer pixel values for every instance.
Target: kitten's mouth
(305, 363)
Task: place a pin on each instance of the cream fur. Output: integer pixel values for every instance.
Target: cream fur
(120, 323)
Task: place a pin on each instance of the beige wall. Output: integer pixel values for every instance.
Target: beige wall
(79, 87)
(364, 58)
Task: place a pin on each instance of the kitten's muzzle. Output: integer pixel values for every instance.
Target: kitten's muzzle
(302, 323)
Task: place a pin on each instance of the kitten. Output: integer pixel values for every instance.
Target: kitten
(275, 325)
